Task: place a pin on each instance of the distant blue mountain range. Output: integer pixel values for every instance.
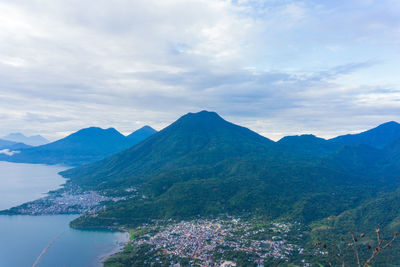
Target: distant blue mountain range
(11, 145)
(84, 146)
(35, 140)
(377, 137)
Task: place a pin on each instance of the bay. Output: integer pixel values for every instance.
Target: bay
(20, 183)
(23, 237)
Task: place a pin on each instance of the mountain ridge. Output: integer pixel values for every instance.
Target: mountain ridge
(202, 164)
(81, 147)
(376, 137)
(194, 127)
(11, 145)
(34, 140)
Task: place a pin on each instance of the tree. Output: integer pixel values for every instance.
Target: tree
(338, 252)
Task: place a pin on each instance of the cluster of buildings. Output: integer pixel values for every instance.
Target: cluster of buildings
(194, 239)
(65, 203)
(207, 241)
(71, 199)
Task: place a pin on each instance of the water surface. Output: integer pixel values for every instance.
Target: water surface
(20, 183)
(23, 238)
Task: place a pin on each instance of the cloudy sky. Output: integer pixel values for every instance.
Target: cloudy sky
(279, 67)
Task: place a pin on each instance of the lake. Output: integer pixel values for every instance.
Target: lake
(23, 238)
(20, 183)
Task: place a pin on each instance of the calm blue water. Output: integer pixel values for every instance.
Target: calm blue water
(20, 183)
(23, 238)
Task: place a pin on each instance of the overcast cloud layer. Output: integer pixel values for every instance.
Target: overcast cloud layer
(278, 67)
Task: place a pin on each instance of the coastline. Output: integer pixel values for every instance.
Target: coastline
(17, 190)
(62, 197)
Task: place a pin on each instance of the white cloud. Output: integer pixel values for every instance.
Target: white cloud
(65, 65)
(7, 152)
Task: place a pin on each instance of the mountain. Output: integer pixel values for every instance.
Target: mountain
(393, 150)
(196, 139)
(35, 140)
(141, 134)
(82, 147)
(307, 146)
(11, 145)
(204, 165)
(377, 137)
(6, 143)
(391, 159)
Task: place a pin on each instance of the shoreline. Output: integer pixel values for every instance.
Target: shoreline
(87, 248)
(119, 244)
(48, 199)
(17, 190)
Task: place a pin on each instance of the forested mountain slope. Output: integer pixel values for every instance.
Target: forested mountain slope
(204, 165)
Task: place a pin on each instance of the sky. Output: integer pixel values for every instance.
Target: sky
(278, 67)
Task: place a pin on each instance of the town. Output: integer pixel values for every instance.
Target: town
(68, 200)
(215, 242)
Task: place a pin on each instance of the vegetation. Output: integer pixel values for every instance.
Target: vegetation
(202, 165)
(358, 252)
(381, 212)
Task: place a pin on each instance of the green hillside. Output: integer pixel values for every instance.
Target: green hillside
(378, 213)
(204, 165)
